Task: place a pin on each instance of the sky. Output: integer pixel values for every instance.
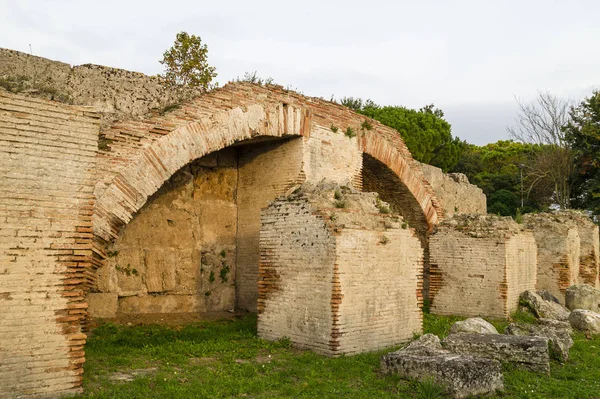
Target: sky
(472, 59)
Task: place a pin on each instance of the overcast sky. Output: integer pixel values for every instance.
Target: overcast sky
(469, 58)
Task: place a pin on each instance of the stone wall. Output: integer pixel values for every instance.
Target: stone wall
(479, 265)
(179, 253)
(335, 274)
(47, 158)
(455, 193)
(558, 252)
(116, 93)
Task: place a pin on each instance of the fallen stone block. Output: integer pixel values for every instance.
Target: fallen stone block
(585, 320)
(530, 353)
(547, 296)
(558, 324)
(461, 375)
(559, 337)
(474, 325)
(543, 308)
(582, 296)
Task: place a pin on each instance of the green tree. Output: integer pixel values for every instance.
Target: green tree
(500, 170)
(583, 133)
(186, 63)
(425, 132)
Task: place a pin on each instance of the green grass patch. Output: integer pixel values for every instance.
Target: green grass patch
(226, 359)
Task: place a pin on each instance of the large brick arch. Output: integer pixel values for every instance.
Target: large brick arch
(151, 166)
(132, 170)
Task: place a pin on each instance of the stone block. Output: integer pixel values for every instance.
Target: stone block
(558, 336)
(582, 296)
(102, 305)
(160, 304)
(474, 325)
(526, 352)
(585, 320)
(543, 308)
(461, 375)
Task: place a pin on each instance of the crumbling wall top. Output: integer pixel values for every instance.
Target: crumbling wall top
(567, 218)
(480, 226)
(346, 207)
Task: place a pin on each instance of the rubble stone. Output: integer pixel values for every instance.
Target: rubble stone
(582, 296)
(559, 338)
(461, 375)
(530, 353)
(585, 320)
(475, 325)
(543, 308)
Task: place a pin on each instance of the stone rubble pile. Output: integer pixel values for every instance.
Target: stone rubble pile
(468, 361)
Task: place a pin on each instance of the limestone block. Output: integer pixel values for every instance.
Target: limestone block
(543, 308)
(527, 352)
(160, 304)
(585, 320)
(558, 336)
(475, 325)
(102, 305)
(556, 324)
(582, 296)
(461, 375)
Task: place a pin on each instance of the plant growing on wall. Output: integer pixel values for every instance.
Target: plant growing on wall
(186, 63)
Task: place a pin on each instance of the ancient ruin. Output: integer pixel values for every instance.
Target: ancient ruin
(327, 254)
(479, 265)
(120, 196)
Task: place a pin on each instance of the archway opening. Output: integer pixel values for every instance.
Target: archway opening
(193, 247)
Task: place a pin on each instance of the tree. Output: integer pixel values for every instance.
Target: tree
(186, 63)
(496, 168)
(542, 122)
(425, 132)
(583, 134)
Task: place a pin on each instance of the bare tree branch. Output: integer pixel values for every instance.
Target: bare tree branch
(542, 122)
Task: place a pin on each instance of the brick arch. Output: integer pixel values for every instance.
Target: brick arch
(152, 166)
(386, 155)
(239, 112)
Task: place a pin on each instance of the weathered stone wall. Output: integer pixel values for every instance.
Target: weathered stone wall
(116, 93)
(455, 193)
(558, 252)
(178, 254)
(337, 278)
(479, 266)
(47, 158)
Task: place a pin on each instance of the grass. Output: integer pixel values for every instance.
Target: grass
(225, 359)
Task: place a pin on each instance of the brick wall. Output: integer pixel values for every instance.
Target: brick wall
(558, 252)
(47, 157)
(479, 266)
(337, 280)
